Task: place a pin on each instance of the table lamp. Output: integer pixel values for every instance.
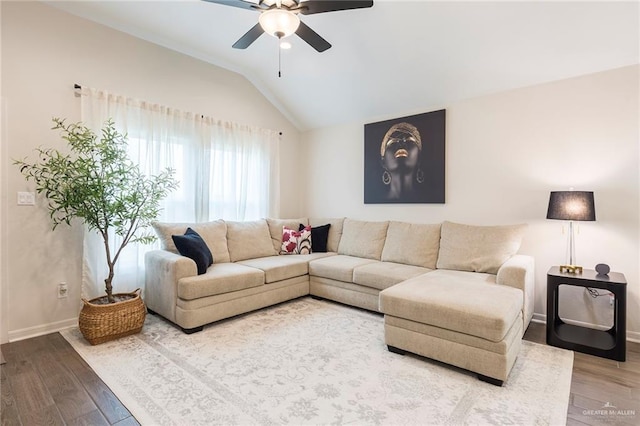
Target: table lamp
(571, 206)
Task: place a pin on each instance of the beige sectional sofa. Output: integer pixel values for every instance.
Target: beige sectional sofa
(456, 293)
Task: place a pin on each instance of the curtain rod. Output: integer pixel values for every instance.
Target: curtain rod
(76, 86)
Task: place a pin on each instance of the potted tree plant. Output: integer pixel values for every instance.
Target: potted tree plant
(97, 183)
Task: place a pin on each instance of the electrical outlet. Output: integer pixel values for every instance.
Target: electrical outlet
(62, 290)
(26, 198)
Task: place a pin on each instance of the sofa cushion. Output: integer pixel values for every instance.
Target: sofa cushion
(314, 256)
(193, 246)
(412, 244)
(335, 231)
(381, 275)
(220, 278)
(249, 240)
(450, 274)
(296, 242)
(363, 239)
(463, 305)
(278, 268)
(213, 233)
(275, 229)
(337, 267)
(165, 231)
(478, 248)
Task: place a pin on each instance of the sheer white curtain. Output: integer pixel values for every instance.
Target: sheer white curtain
(226, 171)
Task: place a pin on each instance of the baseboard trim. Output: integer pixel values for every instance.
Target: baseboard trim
(632, 336)
(539, 318)
(41, 330)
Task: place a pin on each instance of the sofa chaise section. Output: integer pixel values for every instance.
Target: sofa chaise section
(449, 320)
(473, 315)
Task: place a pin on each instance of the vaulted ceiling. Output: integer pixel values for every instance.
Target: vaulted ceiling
(394, 58)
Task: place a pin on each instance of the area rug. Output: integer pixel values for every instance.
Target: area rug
(314, 362)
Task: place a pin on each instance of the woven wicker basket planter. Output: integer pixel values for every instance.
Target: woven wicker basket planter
(101, 323)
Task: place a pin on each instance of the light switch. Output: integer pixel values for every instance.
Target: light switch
(26, 198)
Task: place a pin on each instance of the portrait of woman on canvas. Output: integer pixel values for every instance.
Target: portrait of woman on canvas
(404, 160)
(400, 158)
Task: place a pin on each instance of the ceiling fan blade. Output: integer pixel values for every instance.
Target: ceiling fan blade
(310, 7)
(312, 38)
(238, 3)
(250, 36)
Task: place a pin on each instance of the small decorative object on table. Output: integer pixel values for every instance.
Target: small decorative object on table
(571, 269)
(602, 269)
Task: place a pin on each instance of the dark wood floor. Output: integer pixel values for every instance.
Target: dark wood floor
(46, 382)
(597, 383)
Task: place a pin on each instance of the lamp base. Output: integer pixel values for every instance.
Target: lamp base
(571, 269)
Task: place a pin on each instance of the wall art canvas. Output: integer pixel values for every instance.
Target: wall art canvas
(404, 159)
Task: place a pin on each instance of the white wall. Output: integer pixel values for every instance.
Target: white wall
(44, 52)
(504, 153)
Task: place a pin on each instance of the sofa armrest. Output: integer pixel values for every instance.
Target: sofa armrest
(518, 271)
(163, 270)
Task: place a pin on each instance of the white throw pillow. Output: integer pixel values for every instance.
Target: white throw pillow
(296, 242)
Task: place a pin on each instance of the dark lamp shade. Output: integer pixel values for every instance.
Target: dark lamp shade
(571, 205)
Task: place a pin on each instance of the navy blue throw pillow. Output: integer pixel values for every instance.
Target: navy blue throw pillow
(319, 237)
(193, 246)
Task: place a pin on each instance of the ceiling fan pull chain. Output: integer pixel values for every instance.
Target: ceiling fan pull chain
(279, 59)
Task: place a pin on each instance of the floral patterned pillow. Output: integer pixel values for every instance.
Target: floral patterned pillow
(296, 242)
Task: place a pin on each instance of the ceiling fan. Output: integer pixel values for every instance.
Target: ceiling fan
(279, 18)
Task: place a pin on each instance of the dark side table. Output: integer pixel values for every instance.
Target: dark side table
(604, 343)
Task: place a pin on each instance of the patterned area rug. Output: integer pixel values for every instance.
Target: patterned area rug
(314, 362)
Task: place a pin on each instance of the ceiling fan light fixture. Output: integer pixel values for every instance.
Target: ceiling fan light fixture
(279, 23)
